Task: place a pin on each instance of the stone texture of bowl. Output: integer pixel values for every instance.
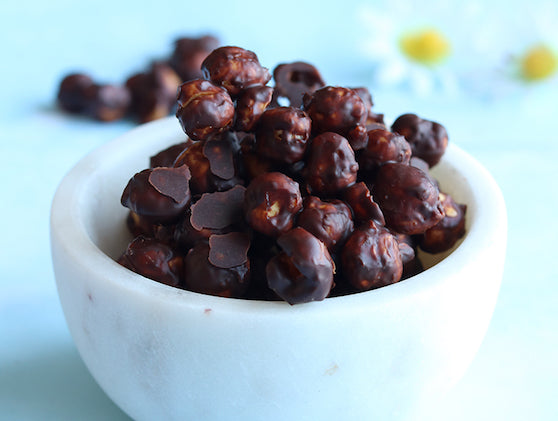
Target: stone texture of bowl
(165, 353)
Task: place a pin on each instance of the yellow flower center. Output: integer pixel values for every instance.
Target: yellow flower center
(538, 63)
(427, 46)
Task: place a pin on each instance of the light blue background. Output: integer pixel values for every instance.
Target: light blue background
(514, 134)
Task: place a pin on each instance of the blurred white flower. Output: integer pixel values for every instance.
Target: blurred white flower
(407, 49)
(527, 54)
(469, 47)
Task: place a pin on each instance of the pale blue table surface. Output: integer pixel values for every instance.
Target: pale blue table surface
(513, 132)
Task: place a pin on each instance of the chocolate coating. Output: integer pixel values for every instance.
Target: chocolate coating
(250, 105)
(262, 249)
(235, 69)
(412, 268)
(444, 234)
(204, 109)
(339, 110)
(203, 277)
(365, 95)
(371, 258)
(272, 200)
(203, 180)
(406, 247)
(154, 260)
(383, 147)
(253, 164)
(330, 222)
(282, 134)
(138, 225)
(166, 157)
(421, 164)
(428, 139)
(160, 195)
(373, 120)
(358, 197)
(331, 164)
(164, 233)
(408, 198)
(303, 272)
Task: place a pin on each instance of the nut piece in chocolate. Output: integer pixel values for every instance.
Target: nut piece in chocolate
(154, 260)
(362, 203)
(408, 198)
(339, 110)
(329, 221)
(160, 195)
(201, 275)
(250, 105)
(203, 173)
(374, 120)
(235, 69)
(444, 234)
(303, 271)
(331, 164)
(371, 258)
(428, 139)
(383, 147)
(204, 109)
(282, 134)
(271, 202)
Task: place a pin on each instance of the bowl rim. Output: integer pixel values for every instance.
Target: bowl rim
(69, 232)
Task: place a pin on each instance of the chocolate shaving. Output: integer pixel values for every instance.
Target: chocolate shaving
(219, 209)
(171, 182)
(229, 250)
(293, 80)
(219, 153)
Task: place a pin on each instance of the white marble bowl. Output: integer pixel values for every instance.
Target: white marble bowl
(163, 353)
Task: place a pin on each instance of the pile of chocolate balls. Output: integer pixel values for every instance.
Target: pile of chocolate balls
(294, 192)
